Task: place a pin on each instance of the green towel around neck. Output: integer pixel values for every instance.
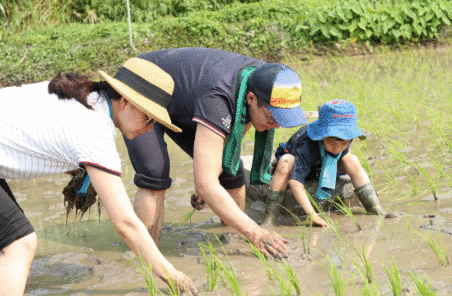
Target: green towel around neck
(263, 144)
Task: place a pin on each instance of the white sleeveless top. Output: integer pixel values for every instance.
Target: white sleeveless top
(42, 135)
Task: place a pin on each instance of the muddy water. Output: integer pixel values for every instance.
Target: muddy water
(88, 257)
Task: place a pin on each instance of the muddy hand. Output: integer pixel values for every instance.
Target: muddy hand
(272, 245)
(197, 202)
(183, 283)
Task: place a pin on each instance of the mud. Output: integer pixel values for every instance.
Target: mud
(88, 257)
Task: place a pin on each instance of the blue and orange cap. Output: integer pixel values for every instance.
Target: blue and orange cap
(280, 88)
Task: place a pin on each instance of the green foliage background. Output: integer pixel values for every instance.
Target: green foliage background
(40, 38)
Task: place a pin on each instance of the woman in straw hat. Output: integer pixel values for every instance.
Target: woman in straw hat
(41, 134)
(218, 96)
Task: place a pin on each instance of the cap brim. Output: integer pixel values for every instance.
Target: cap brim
(152, 109)
(346, 132)
(288, 117)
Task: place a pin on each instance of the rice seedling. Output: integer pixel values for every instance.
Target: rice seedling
(145, 269)
(394, 280)
(390, 174)
(424, 287)
(269, 270)
(340, 285)
(185, 218)
(173, 290)
(227, 274)
(365, 267)
(333, 225)
(292, 276)
(347, 212)
(437, 246)
(413, 182)
(212, 271)
(432, 185)
(285, 288)
(305, 237)
(369, 290)
(408, 223)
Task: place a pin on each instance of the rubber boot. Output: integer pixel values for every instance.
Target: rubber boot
(369, 199)
(273, 202)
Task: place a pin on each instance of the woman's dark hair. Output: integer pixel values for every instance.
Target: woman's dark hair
(74, 85)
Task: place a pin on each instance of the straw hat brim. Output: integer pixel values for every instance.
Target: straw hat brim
(150, 108)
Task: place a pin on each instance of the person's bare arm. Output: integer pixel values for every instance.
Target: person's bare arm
(114, 198)
(207, 167)
(302, 198)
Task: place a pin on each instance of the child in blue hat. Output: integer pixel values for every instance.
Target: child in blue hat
(321, 149)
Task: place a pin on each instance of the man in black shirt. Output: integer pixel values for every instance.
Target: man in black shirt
(204, 106)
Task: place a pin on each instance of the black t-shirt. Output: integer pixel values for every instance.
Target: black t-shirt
(205, 85)
(308, 162)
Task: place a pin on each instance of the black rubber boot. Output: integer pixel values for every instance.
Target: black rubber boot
(369, 199)
(273, 202)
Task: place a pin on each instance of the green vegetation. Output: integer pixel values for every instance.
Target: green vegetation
(40, 38)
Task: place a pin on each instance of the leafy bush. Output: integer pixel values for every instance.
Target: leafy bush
(376, 21)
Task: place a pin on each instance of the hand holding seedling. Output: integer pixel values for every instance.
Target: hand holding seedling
(271, 245)
(180, 281)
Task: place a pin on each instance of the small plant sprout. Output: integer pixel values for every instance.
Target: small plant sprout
(340, 285)
(394, 280)
(185, 218)
(305, 237)
(270, 271)
(437, 246)
(227, 275)
(346, 211)
(212, 272)
(292, 276)
(431, 183)
(424, 287)
(145, 270)
(408, 223)
(173, 290)
(364, 266)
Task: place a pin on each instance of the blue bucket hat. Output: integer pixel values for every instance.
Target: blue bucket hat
(337, 118)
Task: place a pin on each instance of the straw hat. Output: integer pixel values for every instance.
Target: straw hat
(146, 86)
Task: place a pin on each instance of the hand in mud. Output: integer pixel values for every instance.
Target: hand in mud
(317, 220)
(183, 283)
(271, 245)
(197, 202)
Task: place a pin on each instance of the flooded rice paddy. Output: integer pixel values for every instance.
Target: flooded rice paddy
(404, 103)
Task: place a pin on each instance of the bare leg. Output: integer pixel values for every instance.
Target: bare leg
(351, 165)
(281, 177)
(15, 263)
(239, 196)
(150, 208)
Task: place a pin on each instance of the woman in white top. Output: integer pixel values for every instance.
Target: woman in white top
(67, 124)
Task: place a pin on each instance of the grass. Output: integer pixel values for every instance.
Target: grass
(210, 263)
(394, 280)
(145, 269)
(340, 285)
(364, 266)
(347, 212)
(424, 287)
(437, 246)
